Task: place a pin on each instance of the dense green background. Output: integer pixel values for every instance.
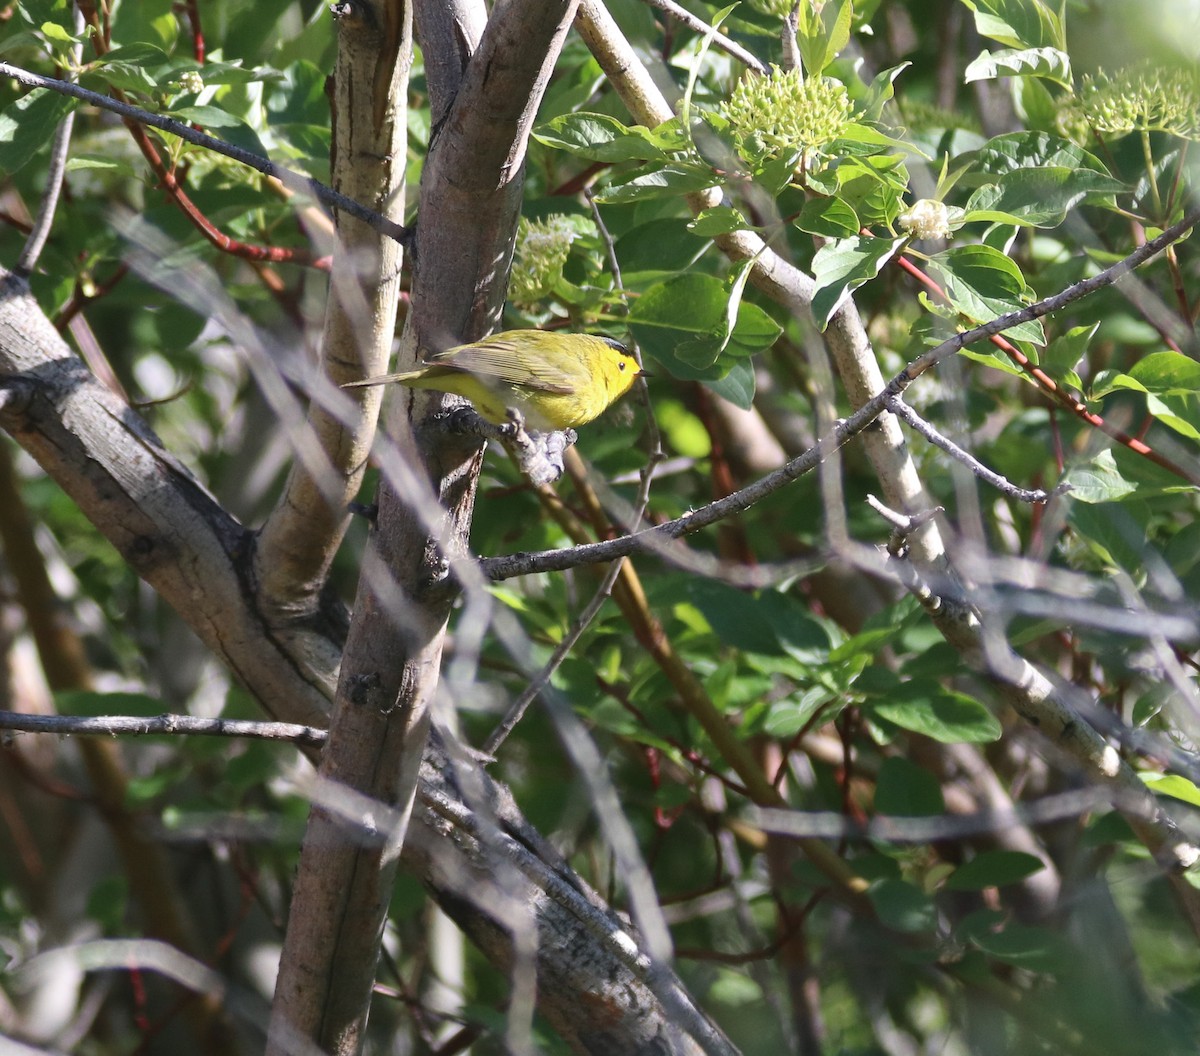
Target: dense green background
(831, 672)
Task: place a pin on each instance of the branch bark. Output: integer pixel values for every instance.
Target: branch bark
(297, 544)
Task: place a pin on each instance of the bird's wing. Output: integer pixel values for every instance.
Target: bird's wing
(500, 359)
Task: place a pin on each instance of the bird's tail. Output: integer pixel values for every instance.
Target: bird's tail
(406, 377)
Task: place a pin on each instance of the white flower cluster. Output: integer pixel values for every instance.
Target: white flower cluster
(926, 219)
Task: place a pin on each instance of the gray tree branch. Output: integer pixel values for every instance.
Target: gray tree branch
(297, 544)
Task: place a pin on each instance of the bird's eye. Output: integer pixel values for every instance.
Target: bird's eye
(621, 365)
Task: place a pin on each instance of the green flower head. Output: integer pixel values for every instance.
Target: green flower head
(1143, 99)
(784, 114)
(542, 249)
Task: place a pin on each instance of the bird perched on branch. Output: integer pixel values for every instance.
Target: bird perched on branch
(555, 380)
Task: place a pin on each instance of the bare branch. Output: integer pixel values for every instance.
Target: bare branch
(829, 825)
(730, 47)
(161, 725)
(653, 540)
(930, 432)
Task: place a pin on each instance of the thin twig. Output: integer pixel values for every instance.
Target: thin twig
(160, 725)
(681, 14)
(291, 179)
(517, 711)
(930, 432)
(59, 149)
(829, 825)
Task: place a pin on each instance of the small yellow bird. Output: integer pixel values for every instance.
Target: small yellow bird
(556, 381)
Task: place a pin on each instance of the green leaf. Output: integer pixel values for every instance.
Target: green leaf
(683, 323)
(787, 717)
(864, 644)
(881, 91)
(38, 11)
(666, 182)
(924, 707)
(599, 137)
(127, 76)
(997, 361)
(829, 218)
(902, 906)
(1107, 829)
(719, 221)
(150, 20)
(140, 53)
(1036, 104)
(1116, 473)
(1018, 23)
(843, 266)
(993, 869)
(1167, 374)
(27, 125)
(1034, 178)
(227, 73)
(822, 30)
(1037, 949)
(1039, 197)
(657, 248)
(1099, 481)
(1172, 785)
(1114, 531)
(1050, 63)
(867, 140)
(1180, 413)
(55, 33)
(904, 789)
(755, 331)
(982, 283)
(224, 125)
(737, 385)
(1065, 351)
(102, 163)
(24, 39)
(1030, 150)
(769, 622)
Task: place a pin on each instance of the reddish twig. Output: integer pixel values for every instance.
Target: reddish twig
(193, 13)
(169, 182)
(232, 246)
(1054, 391)
(81, 298)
